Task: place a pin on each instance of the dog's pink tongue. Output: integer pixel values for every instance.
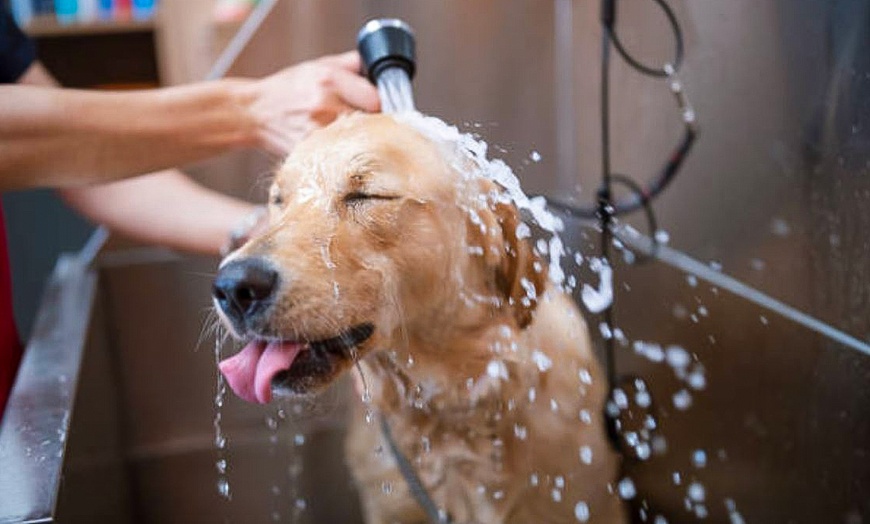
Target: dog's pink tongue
(250, 372)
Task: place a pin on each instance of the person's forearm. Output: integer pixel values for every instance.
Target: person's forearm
(165, 208)
(59, 137)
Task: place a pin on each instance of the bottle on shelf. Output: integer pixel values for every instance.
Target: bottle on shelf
(66, 11)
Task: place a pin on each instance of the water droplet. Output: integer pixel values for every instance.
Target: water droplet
(780, 227)
(699, 458)
(301, 504)
(682, 400)
(696, 492)
(542, 361)
(557, 495)
(585, 376)
(533, 479)
(585, 416)
(271, 423)
(606, 333)
(697, 380)
(620, 398)
(520, 432)
(223, 488)
(643, 399)
(643, 451)
(662, 236)
(650, 350)
(763, 320)
(677, 357)
(221, 466)
(586, 455)
(299, 439)
(678, 479)
(581, 512)
(497, 369)
(626, 489)
(734, 515)
(387, 487)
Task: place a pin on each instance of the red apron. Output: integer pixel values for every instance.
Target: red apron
(10, 346)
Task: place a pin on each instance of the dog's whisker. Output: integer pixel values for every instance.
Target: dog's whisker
(210, 327)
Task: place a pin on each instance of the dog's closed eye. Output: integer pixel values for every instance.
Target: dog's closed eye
(357, 198)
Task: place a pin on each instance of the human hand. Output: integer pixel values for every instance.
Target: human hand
(291, 103)
(251, 226)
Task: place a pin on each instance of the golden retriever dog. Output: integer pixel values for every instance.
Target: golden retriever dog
(385, 251)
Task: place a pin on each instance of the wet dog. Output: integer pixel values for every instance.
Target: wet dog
(383, 251)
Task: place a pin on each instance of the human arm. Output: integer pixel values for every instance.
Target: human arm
(166, 208)
(53, 137)
(169, 209)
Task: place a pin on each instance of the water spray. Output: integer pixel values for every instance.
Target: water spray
(387, 46)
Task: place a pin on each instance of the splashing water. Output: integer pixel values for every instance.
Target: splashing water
(468, 156)
(470, 159)
(599, 299)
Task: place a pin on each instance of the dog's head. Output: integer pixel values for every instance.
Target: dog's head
(376, 238)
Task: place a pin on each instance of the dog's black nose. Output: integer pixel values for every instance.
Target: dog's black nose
(243, 287)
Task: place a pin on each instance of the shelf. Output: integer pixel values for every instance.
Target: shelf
(48, 26)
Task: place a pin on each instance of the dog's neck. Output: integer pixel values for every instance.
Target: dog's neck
(452, 380)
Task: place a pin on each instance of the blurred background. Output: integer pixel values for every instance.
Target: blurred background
(776, 193)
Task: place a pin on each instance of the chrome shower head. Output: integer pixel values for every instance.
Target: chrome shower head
(385, 43)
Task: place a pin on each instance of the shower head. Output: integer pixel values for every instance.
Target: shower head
(385, 43)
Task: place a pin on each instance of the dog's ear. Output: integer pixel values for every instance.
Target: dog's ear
(520, 276)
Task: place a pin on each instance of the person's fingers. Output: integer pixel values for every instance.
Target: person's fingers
(356, 91)
(349, 60)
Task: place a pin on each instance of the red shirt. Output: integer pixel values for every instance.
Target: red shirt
(17, 53)
(10, 346)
